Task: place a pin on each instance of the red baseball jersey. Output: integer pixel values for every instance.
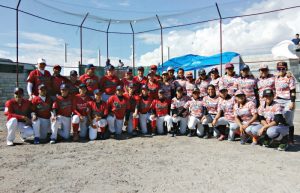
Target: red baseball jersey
(56, 82)
(91, 82)
(141, 80)
(283, 86)
(145, 104)
(97, 109)
(42, 108)
(161, 107)
(211, 104)
(80, 104)
(266, 83)
(245, 112)
(36, 77)
(108, 84)
(118, 107)
(63, 106)
(15, 110)
(227, 105)
(126, 82)
(153, 89)
(73, 87)
(269, 112)
(133, 101)
(229, 82)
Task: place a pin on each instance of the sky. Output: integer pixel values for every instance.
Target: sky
(246, 35)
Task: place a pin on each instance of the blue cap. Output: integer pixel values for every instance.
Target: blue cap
(245, 67)
(82, 85)
(90, 66)
(110, 67)
(64, 86)
(129, 70)
(144, 87)
(119, 87)
(97, 91)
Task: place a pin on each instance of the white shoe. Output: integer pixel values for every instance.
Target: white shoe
(52, 141)
(9, 143)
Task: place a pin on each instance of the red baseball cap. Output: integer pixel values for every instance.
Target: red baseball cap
(229, 65)
(56, 66)
(153, 67)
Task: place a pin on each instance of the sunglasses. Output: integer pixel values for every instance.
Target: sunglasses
(281, 69)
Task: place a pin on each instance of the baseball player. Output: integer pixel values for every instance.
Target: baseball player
(179, 113)
(90, 79)
(197, 112)
(98, 112)
(37, 77)
(57, 79)
(265, 81)
(211, 102)
(160, 113)
(80, 114)
(153, 86)
(109, 83)
(144, 110)
(171, 71)
(229, 79)
(180, 80)
(285, 87)
(41, 113)
(118, 109)
(140, 78)
(153, 70)
(190, 84)
(134, 101)
(273, 124)
(167, 86)
(128, 80)
(248, 84)
(61, 115)
(17, 111)
(215, 79)
(225, 113)
(202, 82)
(73, 83)
(245, 113)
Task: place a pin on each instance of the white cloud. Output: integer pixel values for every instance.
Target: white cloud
(249, 35)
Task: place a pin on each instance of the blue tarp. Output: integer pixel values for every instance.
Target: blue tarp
(194, 62)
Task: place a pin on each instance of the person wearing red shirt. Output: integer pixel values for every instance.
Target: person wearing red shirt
(140, 78)
(37, 77)
(133, 100)
(90, 79)
(153, 86)
(98, 112)
(61, 115)
(118, 108)
(109, 83)
(144, 109)
(153, 70)
(41, 107)
(18, 112)
(79, 119)
(160, 113)
(128, 80)
(56, 80)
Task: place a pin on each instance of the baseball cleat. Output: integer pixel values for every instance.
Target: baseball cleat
(52, 141)
(10, 143)
(36, 140)
(283, 147)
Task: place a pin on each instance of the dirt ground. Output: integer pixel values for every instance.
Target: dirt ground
(158, 164)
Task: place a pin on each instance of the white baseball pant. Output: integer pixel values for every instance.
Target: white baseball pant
(288, 114)
(209, 119)
(41, 127)
(93, 131)
(82, 125)
(233, 127)
(183, 123)
(194, 122)
(253, 129)
(115, 125)
(61, 126)
(160, 123)
(13, 124)
(144, 119)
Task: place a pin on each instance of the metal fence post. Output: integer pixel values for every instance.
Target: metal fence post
(161, 41)
(17, 41)
(221, 40)
(81, 37)
(133, 49)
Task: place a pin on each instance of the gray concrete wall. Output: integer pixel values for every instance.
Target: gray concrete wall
(8, 83)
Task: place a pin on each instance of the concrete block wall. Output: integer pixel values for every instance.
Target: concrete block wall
(8, 82)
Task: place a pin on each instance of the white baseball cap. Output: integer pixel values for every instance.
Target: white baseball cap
(41, 60)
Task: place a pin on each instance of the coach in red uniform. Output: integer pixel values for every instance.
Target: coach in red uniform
(79, 120)
(118, 108)
(90, 79)
(37, 77)
(41, 106)
(98, 112)
(109, 83)
(18, 112)
(61, 115)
